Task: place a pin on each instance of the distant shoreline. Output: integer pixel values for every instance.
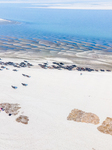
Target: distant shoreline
(5, 21)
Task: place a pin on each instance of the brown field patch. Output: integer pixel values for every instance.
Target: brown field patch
(22, 119)
(10, 108)
(106, 126)
(82, 116)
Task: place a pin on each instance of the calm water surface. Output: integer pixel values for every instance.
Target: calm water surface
(84, 25)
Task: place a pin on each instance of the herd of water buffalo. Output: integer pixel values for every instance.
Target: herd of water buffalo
(61, 66)
(55, 65)
(18, 65)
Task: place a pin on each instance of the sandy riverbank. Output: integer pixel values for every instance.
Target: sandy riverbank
(47, 100)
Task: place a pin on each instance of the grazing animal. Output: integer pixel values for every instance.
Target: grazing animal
(61, 63)
(14, 87)
(10, 63)
(23, 74)
(108, 70)
(15, 70)
(24, 84)
(96, 70)
(26, 75)
(102, 70)
(3, 67)
(22, 64)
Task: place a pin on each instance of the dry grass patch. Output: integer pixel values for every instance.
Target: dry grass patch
(10, 108)
(81, 116)
(106, 126)
(22, 119)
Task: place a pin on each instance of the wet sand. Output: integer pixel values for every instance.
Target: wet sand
(85, 54)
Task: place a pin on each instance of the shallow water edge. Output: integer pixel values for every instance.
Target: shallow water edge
(82, 53)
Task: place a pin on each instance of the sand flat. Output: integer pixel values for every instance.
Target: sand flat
(47, 101)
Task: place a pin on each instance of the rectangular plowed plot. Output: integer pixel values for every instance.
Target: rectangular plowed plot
(22, 119)
(106, 126)
(10, 108)
(82, 116)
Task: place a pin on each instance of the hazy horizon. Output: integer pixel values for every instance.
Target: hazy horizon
(66, 4)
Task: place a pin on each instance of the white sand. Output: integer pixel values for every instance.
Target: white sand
(47, 101)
